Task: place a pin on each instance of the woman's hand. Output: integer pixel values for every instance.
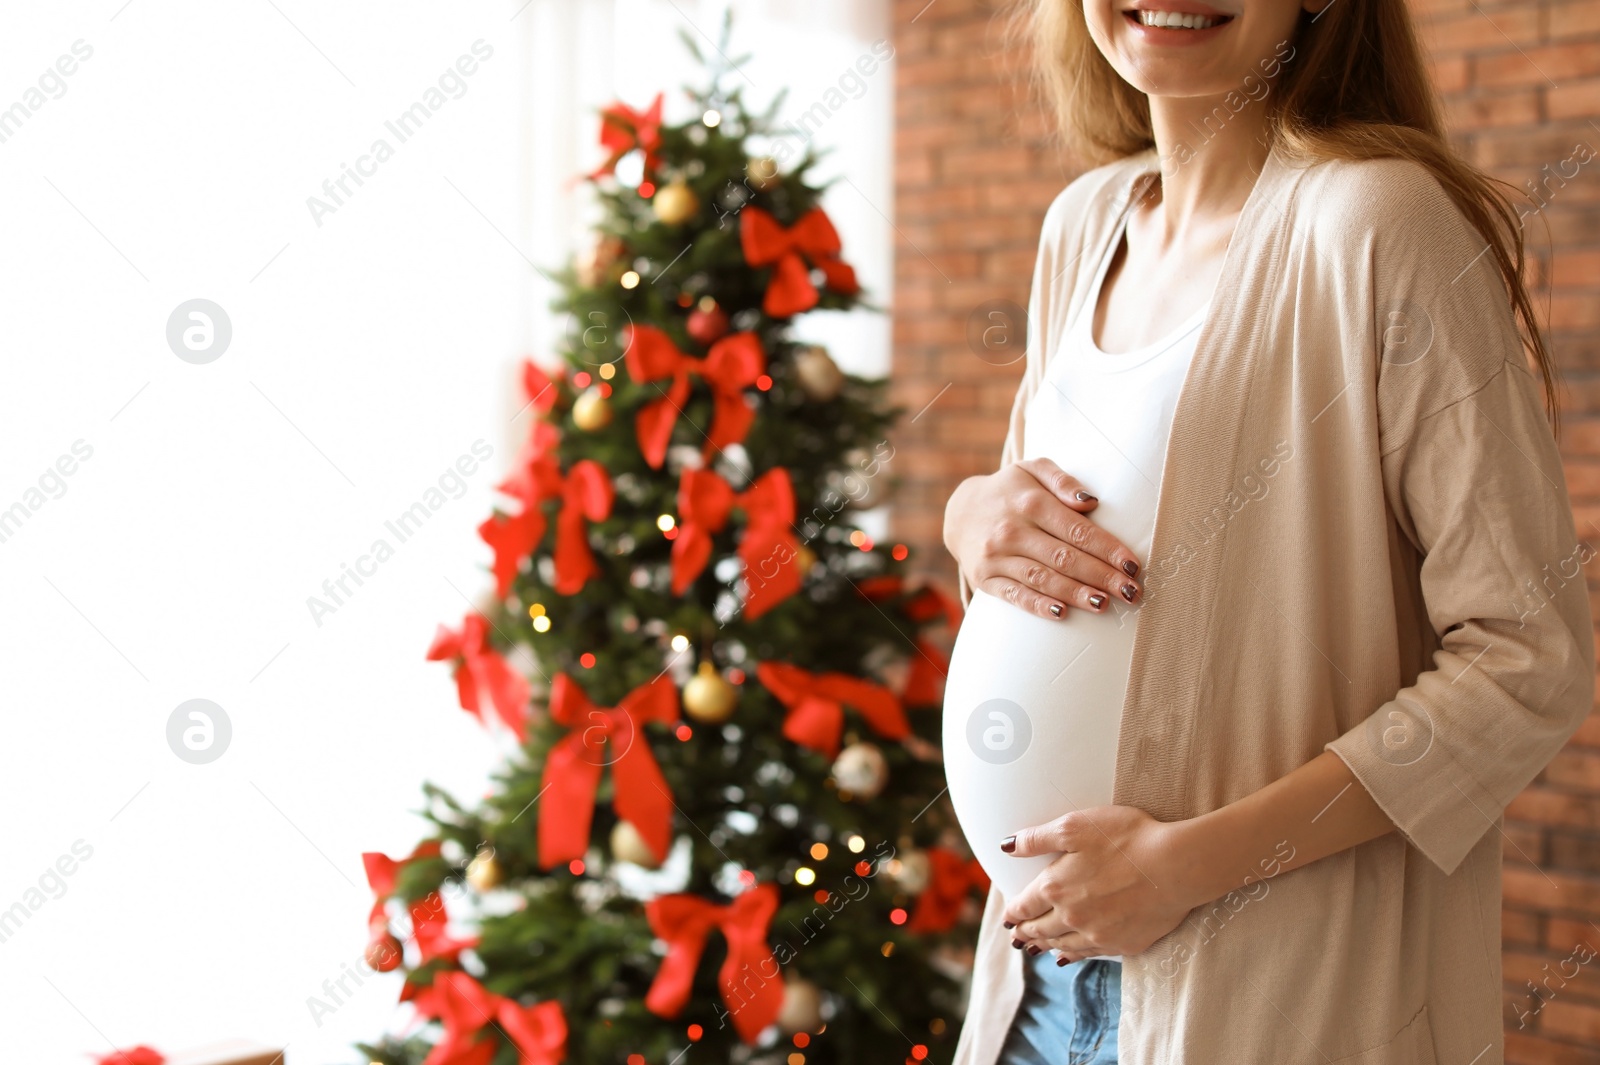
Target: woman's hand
(1123, 881)
(1021, 535)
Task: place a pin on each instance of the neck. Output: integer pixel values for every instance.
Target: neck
(1210, 156)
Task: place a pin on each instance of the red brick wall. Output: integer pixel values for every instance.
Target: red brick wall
(1521, 81)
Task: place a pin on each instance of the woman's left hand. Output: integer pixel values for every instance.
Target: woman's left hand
(1123, 881)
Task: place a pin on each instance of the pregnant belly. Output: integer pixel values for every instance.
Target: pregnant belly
(1031, 712)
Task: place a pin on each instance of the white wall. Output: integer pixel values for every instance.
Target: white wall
(368, 353)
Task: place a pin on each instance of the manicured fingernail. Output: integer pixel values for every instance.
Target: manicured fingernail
(1085, 497)
(1010, 925)
(1062, 960)
(1055, 608)
(1129, 591)
(1131, 568)
(1008, 844)
(1017, 943)
(1034, 951)
(1097, 601)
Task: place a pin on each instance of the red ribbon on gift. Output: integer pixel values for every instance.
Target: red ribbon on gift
(730, 366)
(139, 1055)
(811, 239)
(481, 673)
(465, 1008)
(684, 921)
(705, 502)
(950, 878)
(816, 704)
(586, 495)
(604, 736)
(622, 129)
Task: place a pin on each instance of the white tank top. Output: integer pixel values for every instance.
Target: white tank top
(1033, 705)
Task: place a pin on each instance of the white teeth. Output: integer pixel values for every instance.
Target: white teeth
(1173, 20)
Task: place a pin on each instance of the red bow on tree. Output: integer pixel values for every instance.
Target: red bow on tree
(816, 710)
(812, 239)
(481, 673)
(601, 737)
(622, 129)
(929, 666)
(768, 546)
(383, 872)
(140, 1055)
(950, 877)
(731, 366)
(430, 929)
(542, 390)
(428, 917)
(465, 1008)
(586, 495)
(684, 921)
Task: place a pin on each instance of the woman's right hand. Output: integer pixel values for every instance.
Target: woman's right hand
(1021, 535)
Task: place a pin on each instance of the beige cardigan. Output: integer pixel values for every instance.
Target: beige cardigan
(1362, 544)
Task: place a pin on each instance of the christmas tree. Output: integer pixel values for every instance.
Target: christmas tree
(724, 828)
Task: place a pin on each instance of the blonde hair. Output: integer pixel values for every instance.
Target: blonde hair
(1357, 88)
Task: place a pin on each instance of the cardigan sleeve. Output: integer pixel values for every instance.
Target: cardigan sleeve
(1475, 482)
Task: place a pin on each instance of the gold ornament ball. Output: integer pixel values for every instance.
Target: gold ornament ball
(484, 872)
(591, 410)
(862, 770)
(805, 558)
(675, 203)
(627, 845)
(819, 376)
(802, 1007)
(707, 697)
(763, 171)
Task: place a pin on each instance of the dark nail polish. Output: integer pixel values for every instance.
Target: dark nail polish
(1097, 601)
(1034, 951)
(1128, 592)
(1017, 943)
(1010, 925)
(1061, 960)
(1085, 497)
(1008, 844)
(1055, 609)
(1131, 568)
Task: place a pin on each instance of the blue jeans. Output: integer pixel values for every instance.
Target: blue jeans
(1068, 1014)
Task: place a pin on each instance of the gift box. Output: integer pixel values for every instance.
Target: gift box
(229, 1052)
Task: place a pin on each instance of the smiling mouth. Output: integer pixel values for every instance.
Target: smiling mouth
(1174, 20)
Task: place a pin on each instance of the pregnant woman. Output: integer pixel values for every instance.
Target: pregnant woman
(1275, 601)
